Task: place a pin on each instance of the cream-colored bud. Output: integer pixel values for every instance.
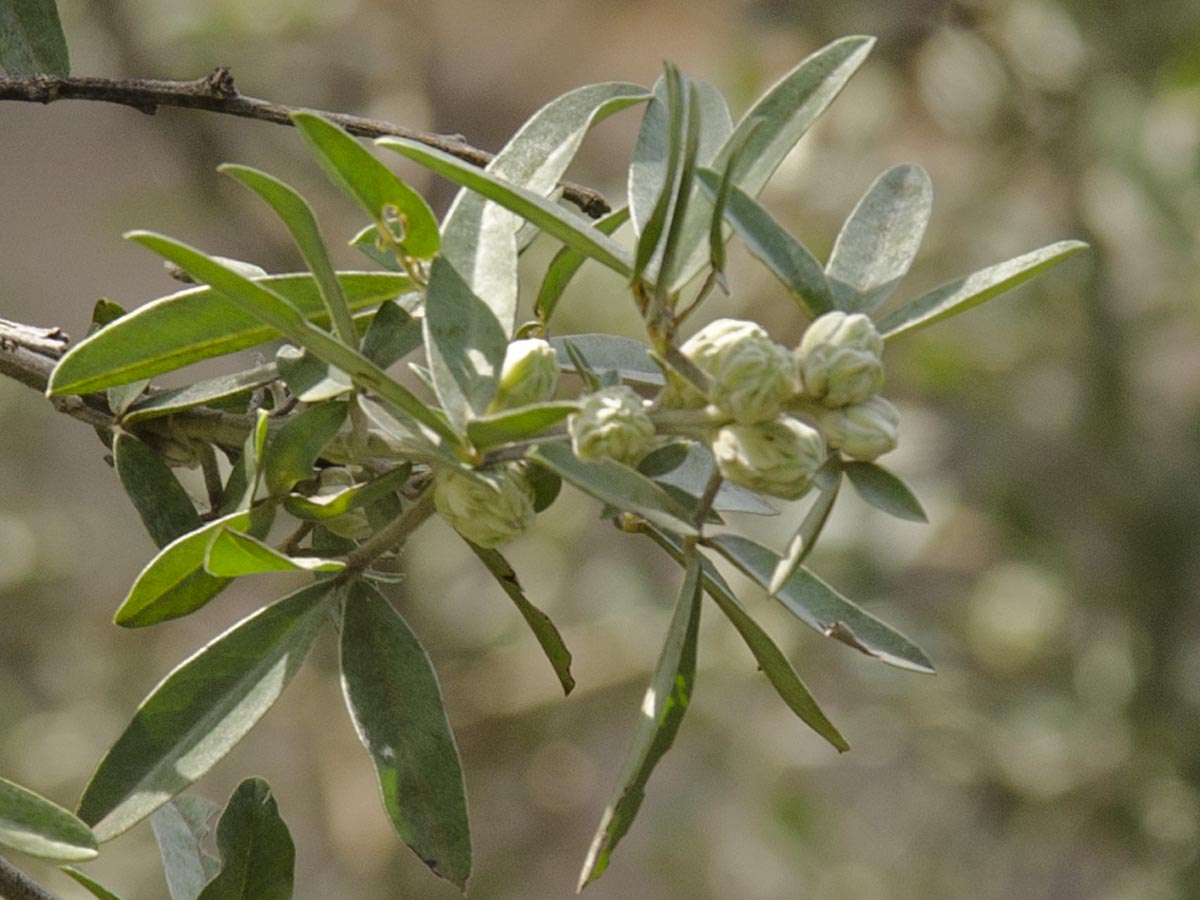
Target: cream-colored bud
(839, 359)
(529, 374)
(488, 507)
(778, 458)
(864, 430)
(752, 376)
(612, 423)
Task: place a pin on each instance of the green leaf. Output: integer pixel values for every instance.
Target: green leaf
(32, 40)
(298, 216)
(675, 246)
(274, 310)
(610, 352)
(201, 393)
(393, 697)
(32, 824)
(231, 554)
(394, 333)
(180, 827)
(692, 474)
(651, 229)
(555, 220)
(323, 507)
(546, 487)
(618, 486)
(465, 345)
(311, 380)
(817, 604)
(371, 184)
(242, 483)
(480, 238)
(959, 296)
(401, 436)
(579, 365)
(296, 446)
(201, 710)
(665, 702)
(787, 258)
(160, 500)
(767, 654)
(885, 491)
(198, 324)
(518, 424)
(95, 888)
(174, 583)
(879, 241)
(805, 538)
(539, 623)
(566, 263)
(258, 857)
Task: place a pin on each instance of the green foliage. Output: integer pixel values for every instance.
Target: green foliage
(257, 854)
(34, 825)
(31, 39)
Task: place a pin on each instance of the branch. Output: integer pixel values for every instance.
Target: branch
(16, 885)
(217, 93)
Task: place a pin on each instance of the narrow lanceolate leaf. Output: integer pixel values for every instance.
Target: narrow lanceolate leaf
(771, 660)
(174, 583)
(93, 887)
(160, 500)
(201, 710)
(274, 310)
(200, 323)
(662, 144)
(258, 858)
(787, 258)
(682, 241)
(309, 378)
(396, 704)
(517, 424)
(372, 185)
(34, 825)
(884, 490)
(31, 39)
(480, 238)
(959, 296)
(566, 263)
(663, 706)
(323, 507)
(394, 333)
(630, 359)
(618, 486)
(465, 345)
(879, 241)
(242, 483)
(295, 447)
(298, 216)
(180, 828)
(231, 554)
(692, 475)
(201, 393)
(817, 604)
(805, 538)
(557, 221)
(539, 623)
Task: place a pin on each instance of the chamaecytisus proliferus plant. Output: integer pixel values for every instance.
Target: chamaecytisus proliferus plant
(669, 435)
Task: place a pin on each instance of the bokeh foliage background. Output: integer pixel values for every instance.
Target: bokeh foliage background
(1054, 437)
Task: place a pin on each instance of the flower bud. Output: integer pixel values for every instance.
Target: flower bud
(488, 507)
(839, 359)
(862, 430)
(752, 377)
(612, 423)
(529, 374)
(778, 457)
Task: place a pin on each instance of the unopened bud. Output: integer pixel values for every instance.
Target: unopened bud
(862, 430)
(612, 423)
(839, 359)
(529, 374)
(488, 507)
(778, 458)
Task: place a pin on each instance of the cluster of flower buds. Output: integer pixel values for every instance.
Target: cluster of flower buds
(840, 367)
(489, 506)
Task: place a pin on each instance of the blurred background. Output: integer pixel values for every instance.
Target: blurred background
(1054, 436)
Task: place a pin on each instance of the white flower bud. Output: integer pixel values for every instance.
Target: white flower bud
(488, 507)
(752, 377)
(529, 374)
(862, 430)
(777, 458)
(839, 359)
(612, 423)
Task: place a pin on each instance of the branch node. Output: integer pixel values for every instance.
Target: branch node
(219, 83)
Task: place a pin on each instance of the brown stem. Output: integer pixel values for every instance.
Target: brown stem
(16, 885)
(217, 92)
(392, 535)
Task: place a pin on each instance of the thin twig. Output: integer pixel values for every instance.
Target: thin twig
(392, 535)
(16, 885)
(217, 92)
